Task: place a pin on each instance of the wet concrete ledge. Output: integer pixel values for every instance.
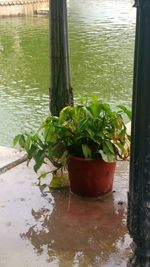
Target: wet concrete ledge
(12, 3)
(23, 8)
(56, 228)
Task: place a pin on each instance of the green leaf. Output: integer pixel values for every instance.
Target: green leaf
(66, 114)
(123, 149)
(107, 157)
(83, 124)
(20, 139)
(16, 139)
(42, 175)
(86, 151)
(110, 146)
(56, 182)
(39, 159)
(126, 111)
(33, 150)
(28, 144)
(95, 109)
(64, 157)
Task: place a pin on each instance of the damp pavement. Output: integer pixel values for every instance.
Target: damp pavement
(42, 228)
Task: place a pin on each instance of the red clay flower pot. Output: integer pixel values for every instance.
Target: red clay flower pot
(90, 178)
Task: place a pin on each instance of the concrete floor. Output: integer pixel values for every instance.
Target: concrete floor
(39, 228)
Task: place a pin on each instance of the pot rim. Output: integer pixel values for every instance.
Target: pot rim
(89, 159)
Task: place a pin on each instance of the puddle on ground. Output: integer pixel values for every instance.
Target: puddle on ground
(81, 232)
(57, 228)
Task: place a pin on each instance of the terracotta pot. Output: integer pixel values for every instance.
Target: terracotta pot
(90, 178)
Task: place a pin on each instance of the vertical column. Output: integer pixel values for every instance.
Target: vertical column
(60, 92)
(139, 187)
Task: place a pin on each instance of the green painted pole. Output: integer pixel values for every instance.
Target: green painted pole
(139, 187)
(61, 94)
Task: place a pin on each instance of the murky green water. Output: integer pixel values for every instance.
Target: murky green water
(101, 48)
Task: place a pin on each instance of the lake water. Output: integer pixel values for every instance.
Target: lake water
(101, 35)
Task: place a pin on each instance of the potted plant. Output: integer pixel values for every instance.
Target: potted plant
(87, 139)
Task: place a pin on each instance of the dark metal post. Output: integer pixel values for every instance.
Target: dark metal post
(60, 92)
(139, 191)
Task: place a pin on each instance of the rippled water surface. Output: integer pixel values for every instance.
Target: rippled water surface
(101, 37)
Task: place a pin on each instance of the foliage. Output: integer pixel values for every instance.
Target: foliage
(90, 129)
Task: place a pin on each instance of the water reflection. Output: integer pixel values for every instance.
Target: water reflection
(104, 37)
(80, 232)
(24, 75)
(111, 12)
